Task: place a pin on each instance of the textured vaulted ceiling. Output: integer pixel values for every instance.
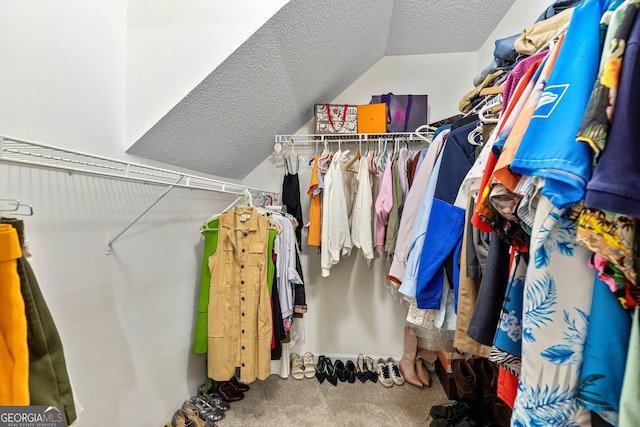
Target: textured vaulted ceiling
(308, 52)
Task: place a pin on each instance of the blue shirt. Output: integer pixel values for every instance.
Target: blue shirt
(549, 148)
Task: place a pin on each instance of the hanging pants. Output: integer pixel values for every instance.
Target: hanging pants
(48, 377)
(14, 352)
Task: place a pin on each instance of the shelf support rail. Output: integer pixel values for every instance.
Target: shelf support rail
(124, 230)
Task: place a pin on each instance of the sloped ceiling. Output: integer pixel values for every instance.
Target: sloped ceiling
(308, 52)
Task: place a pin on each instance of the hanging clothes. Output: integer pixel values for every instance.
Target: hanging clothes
(14, 352)
(200, 336)
(398, 186)
(361, 219)
(210, 232)
(287, 274)
(605, 354)
(291, 194)
(468, 292)
(412, 207)
(384, 203)
(336, 236)
(315, 206)
(239, 317)
(49, 382)
(416, 243)
(446, 221)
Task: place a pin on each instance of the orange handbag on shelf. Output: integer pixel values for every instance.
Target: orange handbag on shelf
(372, 118)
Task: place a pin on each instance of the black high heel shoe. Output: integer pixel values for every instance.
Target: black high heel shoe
(371, 373)
(331, 372)
(321, 369)
(341, 370)
(350, 371)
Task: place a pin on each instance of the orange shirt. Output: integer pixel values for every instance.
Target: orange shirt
(315, 210)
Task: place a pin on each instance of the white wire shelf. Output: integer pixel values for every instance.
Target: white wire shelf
(423, 137)
(34, 154)
(19, 151)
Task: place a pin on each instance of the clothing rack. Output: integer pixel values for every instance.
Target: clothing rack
(352, 138)
(313, 144)
(34, 154)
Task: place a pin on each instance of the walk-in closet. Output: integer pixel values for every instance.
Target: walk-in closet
(287, 212)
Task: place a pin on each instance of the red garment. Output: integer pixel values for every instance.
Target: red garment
(414, 167)
(507, 386)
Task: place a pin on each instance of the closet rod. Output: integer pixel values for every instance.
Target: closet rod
(23, 152)
(348, 138)
(20, 151)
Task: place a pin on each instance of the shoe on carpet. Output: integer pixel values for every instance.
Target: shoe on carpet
(361, 369)
(214, 399)
(394, 371)
(384, 376)
(321, 369)
(226, 390)
(238, 385)
(308, 365)
(450, 410)
(463, 413)
(371, 372)
(297, 367)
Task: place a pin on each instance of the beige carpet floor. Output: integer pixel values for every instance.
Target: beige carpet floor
(289, 402)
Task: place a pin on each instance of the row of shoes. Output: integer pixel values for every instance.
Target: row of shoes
(478, 404)
(208, 406)
(363, 369)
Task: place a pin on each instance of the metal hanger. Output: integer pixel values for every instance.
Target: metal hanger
(16, 207)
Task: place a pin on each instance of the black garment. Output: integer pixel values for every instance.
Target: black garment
(597, 421)
(300, 297)
(486, 314)
(477, 247)
(291, 199)
(457, 158)
(276, 318)
(464, 120)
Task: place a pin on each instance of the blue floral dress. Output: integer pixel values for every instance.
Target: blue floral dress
(556, 305)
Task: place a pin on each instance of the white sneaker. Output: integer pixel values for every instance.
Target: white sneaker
(384, 376)
(394, 372)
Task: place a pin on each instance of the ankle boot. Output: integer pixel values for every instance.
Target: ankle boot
(487, 374)
(466, 380)
(226, 390)
(407, 364)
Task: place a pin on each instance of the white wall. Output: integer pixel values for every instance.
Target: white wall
(173, 45)
(126, 319)
(351, 311)
(521, 15)
(62, 77)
